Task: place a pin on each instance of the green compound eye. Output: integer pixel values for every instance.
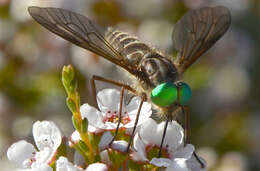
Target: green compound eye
(185, 92)
(164, 94)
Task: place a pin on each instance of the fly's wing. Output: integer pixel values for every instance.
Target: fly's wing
(81, 31)
(197, 31)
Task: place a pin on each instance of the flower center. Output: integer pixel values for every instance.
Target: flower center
(114, 117)
(153, 151)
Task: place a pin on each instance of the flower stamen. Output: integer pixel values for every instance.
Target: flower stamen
(114, 118)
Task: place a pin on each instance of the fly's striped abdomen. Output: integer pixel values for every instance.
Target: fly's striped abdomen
(128, 46)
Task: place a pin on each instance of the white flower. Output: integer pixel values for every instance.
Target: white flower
(179, 158)
(74, 138)
(108, 102)
(62, 164)
(182, 160)
(47, 138)
(97, 167)
(150, 135)
(40, 167)
(106, 139)
(180, 164)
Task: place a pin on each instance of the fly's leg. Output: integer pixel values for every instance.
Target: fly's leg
(143, 98)
(164, 135)
(123, 88)
(119, 114)
(186, 114)
(102, 79)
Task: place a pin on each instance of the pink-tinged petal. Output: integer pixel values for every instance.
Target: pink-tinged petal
(134, 104)
(20, 152)
(41, 167)
(43, 156)
(94, 116)
(148, 132)
(105, 157)
(182, 161)
(108, 99)
(109, 102)
(183, 152)
(161, 162)
(139, 147)
(151, 134)
(62, 164)
(193, 164)
(75, 137)
(94, 130)
(105, 141)
(120, 146)
(132, 109)
(97, 167)
(129, 131)
(174, 135)
(46, 134)
(79, 159)
(178, 164)
(110, 126)
(184, 164)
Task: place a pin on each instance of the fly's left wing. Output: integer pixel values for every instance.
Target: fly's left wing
(197, 31)
(83, 32)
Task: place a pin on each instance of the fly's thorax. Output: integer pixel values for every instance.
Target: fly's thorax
(157, 69)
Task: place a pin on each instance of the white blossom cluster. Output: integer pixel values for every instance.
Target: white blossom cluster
(48, 139)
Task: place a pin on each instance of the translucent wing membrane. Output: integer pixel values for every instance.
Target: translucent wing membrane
(81, 31)
(197, 31)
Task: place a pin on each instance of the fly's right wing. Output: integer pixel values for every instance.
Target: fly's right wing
(197, 31)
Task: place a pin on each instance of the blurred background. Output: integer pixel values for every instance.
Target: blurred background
(225, 108)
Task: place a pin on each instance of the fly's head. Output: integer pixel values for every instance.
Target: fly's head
(160, 82)
(156, 69)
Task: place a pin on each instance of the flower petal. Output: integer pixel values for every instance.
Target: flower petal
(46, 134)
(79, 159)
(108, 99)
(134, 104)
(97, 167)
(105, 141)
(62, 164)
(93, 115)
(161, 162)
(132, 109)
(105, 157)
(120, 145)
(20, 152)
(178, 164)
(174, 134)
(41, 167)
(75, 137)
(94, 130)
(193, 164)
(146, 129)
(139, 146)
(183, 152)
(43, 156)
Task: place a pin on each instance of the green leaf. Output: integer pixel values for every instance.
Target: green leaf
(84, 126)
(75, 123)
(71, 105)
